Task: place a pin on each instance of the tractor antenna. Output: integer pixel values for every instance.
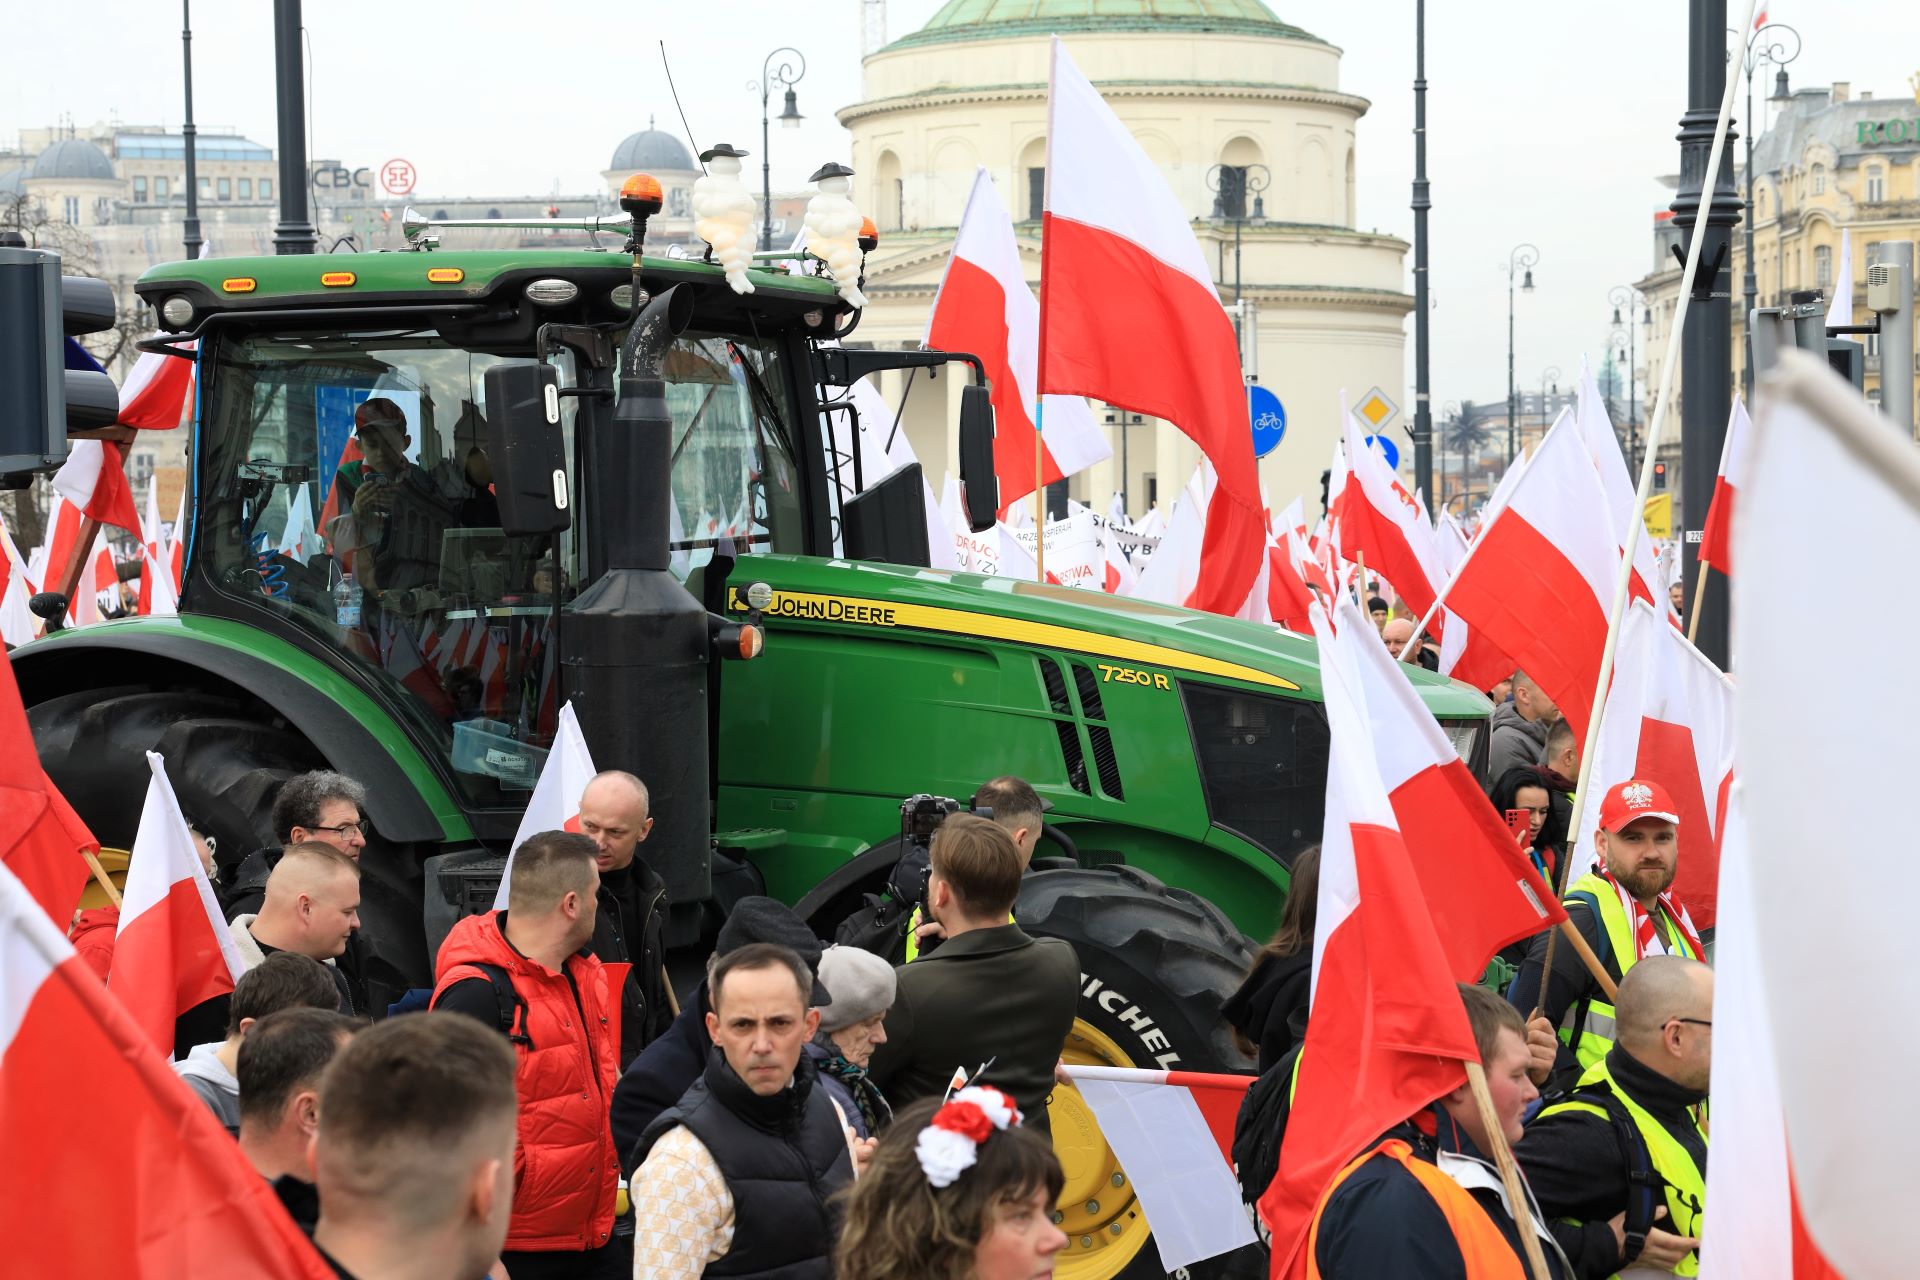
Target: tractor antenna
(677, 107)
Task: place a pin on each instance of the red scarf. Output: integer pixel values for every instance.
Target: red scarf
(1645, 929)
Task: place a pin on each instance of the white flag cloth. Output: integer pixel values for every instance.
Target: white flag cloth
(555, 804)
(1840, 310)
(1169, 576)
(1173, 1133)
(1596, 429)
(300, 540)
(1849, 1144)
(17, 623)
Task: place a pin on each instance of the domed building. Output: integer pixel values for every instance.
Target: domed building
(667, 158)
(75, 182)
(1243, 114)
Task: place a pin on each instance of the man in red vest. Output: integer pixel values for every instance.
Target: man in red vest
(528, 971)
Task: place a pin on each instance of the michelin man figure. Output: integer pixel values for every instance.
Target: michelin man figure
(833, 230)
(723, 214)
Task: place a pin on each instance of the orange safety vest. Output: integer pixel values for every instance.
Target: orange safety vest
(1483, 1249)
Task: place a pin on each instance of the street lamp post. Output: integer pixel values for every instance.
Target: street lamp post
(1768, 44)
(1549, 377)
(1627, 300)
(1523, 258)
(1422, 202)
(787, 75)
(187, 132)
(1230, 184)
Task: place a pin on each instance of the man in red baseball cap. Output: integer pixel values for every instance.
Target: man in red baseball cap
(1623, 909)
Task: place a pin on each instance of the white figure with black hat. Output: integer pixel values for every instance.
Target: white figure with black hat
(723, 214)
(833, 229)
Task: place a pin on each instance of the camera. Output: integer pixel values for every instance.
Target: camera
(921, 816)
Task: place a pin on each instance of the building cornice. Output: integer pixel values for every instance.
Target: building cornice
(1313, 295)
(1218, 90)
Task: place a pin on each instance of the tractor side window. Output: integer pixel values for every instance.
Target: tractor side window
(734, 478)
(350, 490)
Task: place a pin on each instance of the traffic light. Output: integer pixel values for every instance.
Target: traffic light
(47, 386)
(1659, 475)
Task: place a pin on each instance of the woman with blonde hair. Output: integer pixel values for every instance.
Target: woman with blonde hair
(955, 1190)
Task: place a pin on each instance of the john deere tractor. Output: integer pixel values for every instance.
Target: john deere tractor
(608, 480)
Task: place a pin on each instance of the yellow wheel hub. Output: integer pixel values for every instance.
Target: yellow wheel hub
(1097, 1209)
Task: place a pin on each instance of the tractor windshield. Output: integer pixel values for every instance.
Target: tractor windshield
(346, 486)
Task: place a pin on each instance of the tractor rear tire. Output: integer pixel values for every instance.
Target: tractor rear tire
(1155, 965)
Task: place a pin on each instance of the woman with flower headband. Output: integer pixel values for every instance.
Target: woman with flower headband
(956, 1190)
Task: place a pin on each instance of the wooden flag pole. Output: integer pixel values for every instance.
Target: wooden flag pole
(1699, 597)
(1517, 1202)
(100, 874)
(1039, 496)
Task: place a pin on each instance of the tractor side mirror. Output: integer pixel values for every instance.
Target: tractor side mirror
(529, 456)
(979, 486)
(887, 522)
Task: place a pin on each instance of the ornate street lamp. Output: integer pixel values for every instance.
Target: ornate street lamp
(786, 74)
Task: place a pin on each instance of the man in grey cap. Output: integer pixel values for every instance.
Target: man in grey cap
(668, 1066)
(850, 1030)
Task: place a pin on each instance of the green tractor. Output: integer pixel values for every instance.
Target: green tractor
(576, 426)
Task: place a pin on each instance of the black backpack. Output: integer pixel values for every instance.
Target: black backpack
(1261, 1126)
(881, 925)
(513, 1009)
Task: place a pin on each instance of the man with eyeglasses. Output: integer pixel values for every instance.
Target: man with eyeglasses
(1626, 1155)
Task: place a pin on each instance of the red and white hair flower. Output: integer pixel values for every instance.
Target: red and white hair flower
(950, 1143)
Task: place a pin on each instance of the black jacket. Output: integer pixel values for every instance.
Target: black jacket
(990, 995)
(656, 1079)
(1270, 1008)
(627, 929)
(1574, 1161)
(1570, 984)
(1383, 1222)
(784, 1157)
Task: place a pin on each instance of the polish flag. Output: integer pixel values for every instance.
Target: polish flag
(555, 804)
(17, 622)
(1117, 576)
(984, 306)
(1623, 499)
(1716, 537)
(1173, 1133)
(1846, 1146)
(1289, 599)
(42, 840)
(1386, 1034)
(1538, 581)
(300, 541)
(1129, 316)
(173, 949)
(177, 542)
(1471, 873)
(1381, 521)
(1172, 574)
(155, 391)
(82, 1087)
(1669, 717)
(94, 479)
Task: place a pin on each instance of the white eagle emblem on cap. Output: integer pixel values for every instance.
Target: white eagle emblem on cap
(1637, 795)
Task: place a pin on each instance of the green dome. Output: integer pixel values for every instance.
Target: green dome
(1003, 19)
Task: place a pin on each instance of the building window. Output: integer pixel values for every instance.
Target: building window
(1036, 193)
(226, 189)
(160, 189)
(1822, 266)
(1876, 184)
(139, 190)
(1819, 176)
(266, 188)
(73, 210)
(246, 188)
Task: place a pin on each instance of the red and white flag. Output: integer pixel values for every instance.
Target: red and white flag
(1121, 275)
(300, 540)
(155, 391)
(1538, 581)
(1465, 653)
(1669, 717)
(1381, 521)
(94, 479)
(1623, 500)
(984, 306)
(17, 622)
(82, 1088)
(158, 596)
(1847, 1147)
(1173, 1133)
(172, 950)
(1387, 1033)
(1716, 535)
(41, 838)
(555, 804)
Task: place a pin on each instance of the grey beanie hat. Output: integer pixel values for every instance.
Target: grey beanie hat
(861, 982)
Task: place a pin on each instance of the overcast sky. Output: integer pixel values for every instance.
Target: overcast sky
(1548, 123)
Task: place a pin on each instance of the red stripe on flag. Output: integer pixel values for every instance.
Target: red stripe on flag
(1716, 535)
(1667, 755)
(1218, 1097)
(167, 960)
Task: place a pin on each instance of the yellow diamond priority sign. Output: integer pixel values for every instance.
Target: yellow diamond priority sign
(1375, 409)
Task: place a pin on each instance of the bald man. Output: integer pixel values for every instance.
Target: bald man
(311, 905)
(616, 813)
(1651, 1086)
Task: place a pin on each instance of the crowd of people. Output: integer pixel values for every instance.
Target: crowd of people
(552, 1107)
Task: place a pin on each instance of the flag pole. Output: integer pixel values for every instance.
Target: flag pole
(1699, 598)
(1623, 579)
(1039, 496)
(1517, 1201)
(100, 874)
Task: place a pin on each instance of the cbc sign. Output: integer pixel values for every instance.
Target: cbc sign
(333, 177)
